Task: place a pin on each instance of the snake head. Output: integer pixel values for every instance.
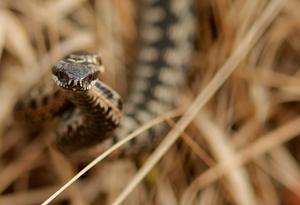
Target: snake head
(77, 72)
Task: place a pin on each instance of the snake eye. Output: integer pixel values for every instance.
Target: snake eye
(80, 59)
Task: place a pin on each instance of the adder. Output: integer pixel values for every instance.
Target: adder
(90, 112)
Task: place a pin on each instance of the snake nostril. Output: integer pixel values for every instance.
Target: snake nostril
(63, 76)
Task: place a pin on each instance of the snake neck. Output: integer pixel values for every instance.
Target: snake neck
(99, 103)
(98, 114)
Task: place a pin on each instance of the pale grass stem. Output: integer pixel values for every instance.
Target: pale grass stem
(171, 114)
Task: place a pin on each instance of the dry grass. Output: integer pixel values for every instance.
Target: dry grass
(240, 144)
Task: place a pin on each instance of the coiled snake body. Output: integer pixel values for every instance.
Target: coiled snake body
(166, 30)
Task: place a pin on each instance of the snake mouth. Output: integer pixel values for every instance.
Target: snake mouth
(74, 85)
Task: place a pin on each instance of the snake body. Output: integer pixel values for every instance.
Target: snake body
(165, 47)
(165, 34)
(98, 110)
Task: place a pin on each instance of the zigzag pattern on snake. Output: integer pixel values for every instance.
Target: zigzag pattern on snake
(90, 110)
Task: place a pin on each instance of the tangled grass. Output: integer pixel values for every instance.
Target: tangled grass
(237, 134)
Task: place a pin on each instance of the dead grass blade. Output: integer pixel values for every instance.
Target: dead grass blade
(3, 32)
(63, 7)
(134, 134)
(282, 167)
(233, 61)
(35, 196)
(238, 179)
(27, 160)
(65, 171)
(18, 41)
(259, 147)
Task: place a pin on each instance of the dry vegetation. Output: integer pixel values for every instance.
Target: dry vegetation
(242, 105)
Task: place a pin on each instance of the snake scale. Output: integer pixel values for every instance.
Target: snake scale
(91, 112)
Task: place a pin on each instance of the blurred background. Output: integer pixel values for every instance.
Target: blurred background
(252, 120)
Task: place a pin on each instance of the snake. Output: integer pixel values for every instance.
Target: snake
(91, 112)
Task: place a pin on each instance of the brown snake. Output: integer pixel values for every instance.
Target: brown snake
(166, 29)
(98, 110)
